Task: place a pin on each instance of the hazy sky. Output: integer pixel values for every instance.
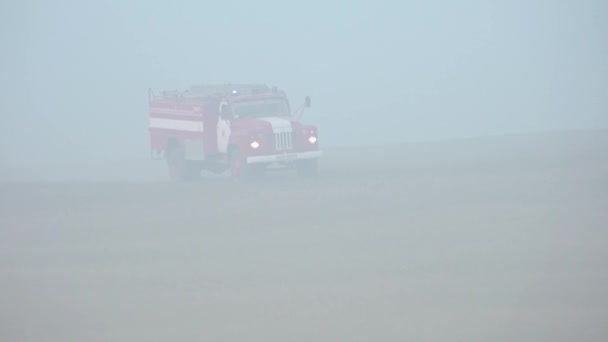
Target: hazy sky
(74, 74)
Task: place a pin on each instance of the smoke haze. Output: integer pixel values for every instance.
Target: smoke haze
(75, 73)
(462, 193)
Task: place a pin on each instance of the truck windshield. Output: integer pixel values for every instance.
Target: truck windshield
(260, 108)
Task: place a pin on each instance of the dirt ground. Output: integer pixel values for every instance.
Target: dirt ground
(489, 239)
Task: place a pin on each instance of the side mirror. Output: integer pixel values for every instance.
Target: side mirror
(306, 105)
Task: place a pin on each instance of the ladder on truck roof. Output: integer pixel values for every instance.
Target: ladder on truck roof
(227, 89)
(211, 90)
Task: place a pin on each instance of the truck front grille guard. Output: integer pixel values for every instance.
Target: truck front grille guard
(283, 141)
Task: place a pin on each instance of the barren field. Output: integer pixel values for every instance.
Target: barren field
(489, 239)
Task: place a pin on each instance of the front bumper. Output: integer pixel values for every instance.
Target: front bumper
(283, 157)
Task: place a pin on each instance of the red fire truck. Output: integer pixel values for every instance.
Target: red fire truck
(244, 128)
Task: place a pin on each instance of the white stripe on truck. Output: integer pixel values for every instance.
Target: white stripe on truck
(178, 125)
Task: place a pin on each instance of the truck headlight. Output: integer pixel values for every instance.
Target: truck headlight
(312, 139)
(254, 144)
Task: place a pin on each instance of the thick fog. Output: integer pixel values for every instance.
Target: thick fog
(456, 188)
(75, 74)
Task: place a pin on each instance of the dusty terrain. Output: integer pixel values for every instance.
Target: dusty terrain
(489, 239)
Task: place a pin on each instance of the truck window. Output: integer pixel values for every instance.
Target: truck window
(260, 108)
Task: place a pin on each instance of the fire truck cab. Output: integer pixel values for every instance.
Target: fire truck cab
(243, 128)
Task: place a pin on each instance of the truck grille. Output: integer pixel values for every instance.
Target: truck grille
(283, 141)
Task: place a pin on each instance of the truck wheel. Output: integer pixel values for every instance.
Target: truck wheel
(238, 165)
(179, 168)
(307, 168)
(175, 162)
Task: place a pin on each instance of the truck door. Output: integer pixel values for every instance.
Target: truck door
(223, 127)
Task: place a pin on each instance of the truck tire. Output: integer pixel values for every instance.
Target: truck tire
(181, 169)
(307, 168)
(238, 165)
